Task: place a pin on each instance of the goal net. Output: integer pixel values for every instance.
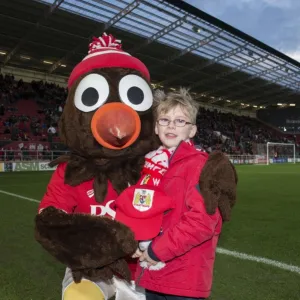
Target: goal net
(276, 153)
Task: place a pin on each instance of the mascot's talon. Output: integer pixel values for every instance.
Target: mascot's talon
(77, 276)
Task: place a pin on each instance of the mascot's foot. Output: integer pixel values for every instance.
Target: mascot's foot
(85, 290)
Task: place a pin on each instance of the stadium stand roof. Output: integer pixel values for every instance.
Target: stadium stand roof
(181, 45)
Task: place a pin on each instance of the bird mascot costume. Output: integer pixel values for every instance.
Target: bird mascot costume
(107, 124)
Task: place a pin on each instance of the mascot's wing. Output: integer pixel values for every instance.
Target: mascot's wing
(119, 267)
(87, 244)
(218, 183)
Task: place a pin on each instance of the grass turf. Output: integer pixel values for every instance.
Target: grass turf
(264, 223)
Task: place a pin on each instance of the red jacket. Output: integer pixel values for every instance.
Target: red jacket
(189, 235)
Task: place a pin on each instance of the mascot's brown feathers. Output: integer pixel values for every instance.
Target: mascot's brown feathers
(218, 182)
(92, 246)
(76, 240)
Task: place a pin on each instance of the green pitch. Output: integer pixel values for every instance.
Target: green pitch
(265, 224)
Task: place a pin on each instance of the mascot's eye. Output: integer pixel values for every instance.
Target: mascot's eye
(91, 93)
(135, 92)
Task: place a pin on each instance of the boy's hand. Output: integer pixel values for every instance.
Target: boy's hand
(138, 253)
(145, 257)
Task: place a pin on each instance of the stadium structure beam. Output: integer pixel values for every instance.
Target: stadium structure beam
(277, 80)
(270, 92)
(238, 82)
(55, 5)
(280, 95)
(43, 27)
(283, 93)
(231, 71)
(100, 29)
(213, 99)
(142, 55)
(263, 103)
(32, 43)
(202, 66)
(273, 81)
(228, 104)
(270, 101)
(240, 93)
(159, 34)
(231, 103)
(189, 49)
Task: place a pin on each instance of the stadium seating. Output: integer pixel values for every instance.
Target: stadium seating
(27, 110)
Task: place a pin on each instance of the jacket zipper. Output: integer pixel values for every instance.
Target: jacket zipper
(174, 153)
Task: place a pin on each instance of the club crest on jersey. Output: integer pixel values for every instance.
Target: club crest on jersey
(143, 199)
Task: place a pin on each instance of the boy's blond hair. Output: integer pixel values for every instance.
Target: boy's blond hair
(164, 102)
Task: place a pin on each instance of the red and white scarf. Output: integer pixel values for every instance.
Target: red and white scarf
(156, 165)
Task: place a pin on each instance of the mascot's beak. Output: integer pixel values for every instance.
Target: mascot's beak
(116, 125)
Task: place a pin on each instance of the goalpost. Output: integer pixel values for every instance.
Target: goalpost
(267, 153)
(280, 153)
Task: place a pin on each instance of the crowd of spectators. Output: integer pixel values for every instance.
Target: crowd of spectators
(230, 133)
(234, 134)
(18, 123)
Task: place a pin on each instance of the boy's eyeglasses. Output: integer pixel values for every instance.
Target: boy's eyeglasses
(177, 122)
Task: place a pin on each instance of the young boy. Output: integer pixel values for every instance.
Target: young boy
(189, 236)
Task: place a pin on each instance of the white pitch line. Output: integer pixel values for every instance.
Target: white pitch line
(266, 261)
(19, 196)
(240, 255)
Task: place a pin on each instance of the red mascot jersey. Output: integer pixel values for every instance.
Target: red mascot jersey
(79, 199)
